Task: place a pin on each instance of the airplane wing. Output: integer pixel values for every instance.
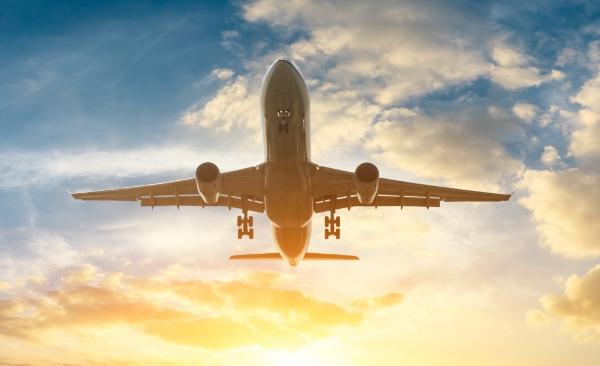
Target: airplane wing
(334, 189)
(238, 187)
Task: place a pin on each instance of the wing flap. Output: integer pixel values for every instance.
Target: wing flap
(352, 201)
(224, 201)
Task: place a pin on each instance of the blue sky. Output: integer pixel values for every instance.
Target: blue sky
(483, 95)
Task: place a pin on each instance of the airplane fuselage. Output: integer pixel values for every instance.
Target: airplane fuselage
(285, 113)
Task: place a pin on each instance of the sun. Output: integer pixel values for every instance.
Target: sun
(302, 357)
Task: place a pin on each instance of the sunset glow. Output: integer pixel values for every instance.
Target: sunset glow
(495, 96)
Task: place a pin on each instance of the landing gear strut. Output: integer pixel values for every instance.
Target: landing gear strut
(245, 222)
(332, 222)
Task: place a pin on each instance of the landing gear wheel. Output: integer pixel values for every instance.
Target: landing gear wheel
(337, 233)
(240, 233)
(251, 233)
(240, 221)
(337, 221)
(326, 220)
(250, 221)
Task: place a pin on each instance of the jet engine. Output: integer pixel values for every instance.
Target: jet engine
(366, 181)
(208, 181)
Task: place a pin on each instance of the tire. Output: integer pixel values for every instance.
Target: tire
(337, 233)
(240, 221)
(326, 220)
(250, 221)
(240, 233)
(337, 221)
(251, 233)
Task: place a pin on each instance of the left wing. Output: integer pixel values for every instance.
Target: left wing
(238, 188)
(334, 189)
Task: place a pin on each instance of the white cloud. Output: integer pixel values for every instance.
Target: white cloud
(550, 156)
(415, 59)
(458, 148)
(236, 105)
(22, 169)
(512, 68)
(525, 111)
(584, 142)
(222, 74)
(564, 205)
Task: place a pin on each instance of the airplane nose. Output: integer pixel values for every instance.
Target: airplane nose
(284, 66)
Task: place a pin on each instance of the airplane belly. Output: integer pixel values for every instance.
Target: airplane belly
(288, 200)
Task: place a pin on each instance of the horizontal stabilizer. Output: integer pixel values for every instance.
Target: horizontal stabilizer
(326, 256)
(307, 256)
(256, 256)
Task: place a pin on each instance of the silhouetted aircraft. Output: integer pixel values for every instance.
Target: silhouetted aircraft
(288, 186)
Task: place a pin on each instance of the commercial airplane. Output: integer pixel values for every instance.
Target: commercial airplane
(288, 186)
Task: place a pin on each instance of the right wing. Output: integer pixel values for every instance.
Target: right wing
(238, 188)
(334, 189)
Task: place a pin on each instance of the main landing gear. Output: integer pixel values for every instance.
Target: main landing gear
(245, 222)
(332, 222)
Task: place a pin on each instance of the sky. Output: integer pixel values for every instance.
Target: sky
(501, 96)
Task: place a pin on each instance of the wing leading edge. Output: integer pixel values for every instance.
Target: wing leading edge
(334, 189)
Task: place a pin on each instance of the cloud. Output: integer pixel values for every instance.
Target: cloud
(564, 205)
(584, 141)
(84, 274)
(26, 168)
(550, 156)
(457, 147)
(432, 46)
(222, 74)
(578, 306)
(258, 309)
(378, 302)
(525, 111)
(512, 70)
(234, 106)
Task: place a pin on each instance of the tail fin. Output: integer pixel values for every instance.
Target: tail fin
(307, 256)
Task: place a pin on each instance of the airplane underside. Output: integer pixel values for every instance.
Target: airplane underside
(288, 186)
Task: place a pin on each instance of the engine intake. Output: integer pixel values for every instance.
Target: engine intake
(208, 181)
(366, 181)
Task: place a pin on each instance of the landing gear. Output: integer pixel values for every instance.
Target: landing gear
(245, 222)
(332, 222)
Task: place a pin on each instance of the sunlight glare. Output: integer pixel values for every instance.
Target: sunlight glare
(302, 357)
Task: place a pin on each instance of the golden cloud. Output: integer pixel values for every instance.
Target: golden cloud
(256, 310)
(578, 306)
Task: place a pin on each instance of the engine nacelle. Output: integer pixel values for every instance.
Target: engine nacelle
(208, 181)
(366, 181)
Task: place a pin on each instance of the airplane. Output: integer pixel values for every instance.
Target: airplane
(288, 186)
